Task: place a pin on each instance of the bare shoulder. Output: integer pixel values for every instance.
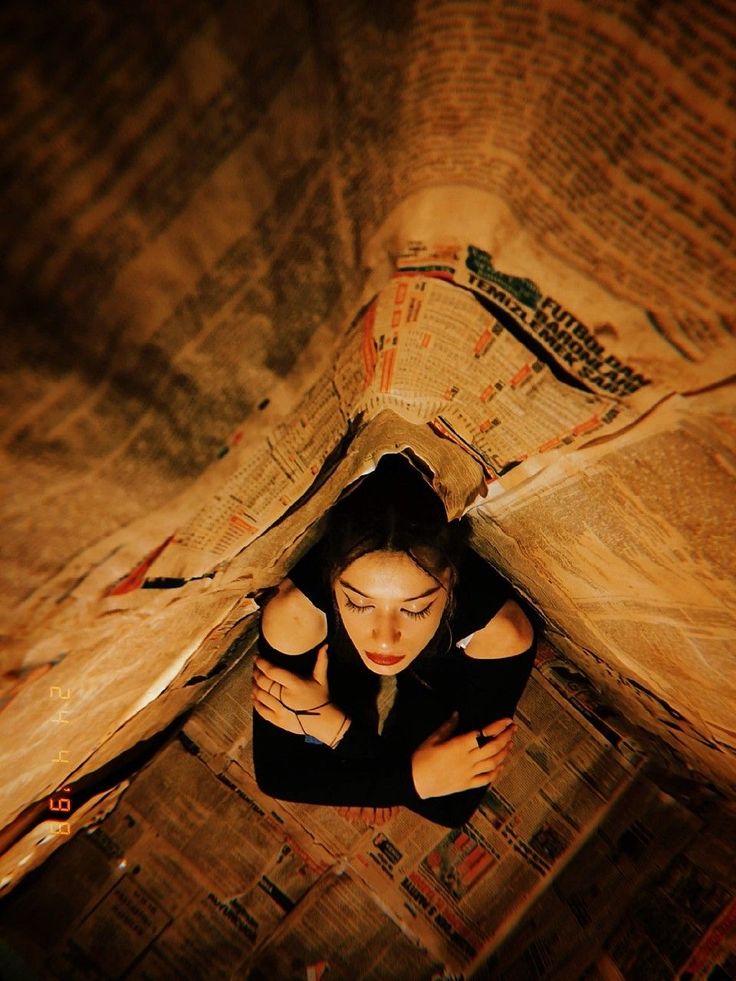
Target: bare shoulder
(291, 623)
(507, 634)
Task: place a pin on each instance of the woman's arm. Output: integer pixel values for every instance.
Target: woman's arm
(485, 685)
(287, 765)
(367, 770)
(364, 769)
(494, 670)
(507, 634)
(291, 623)
(290, 767)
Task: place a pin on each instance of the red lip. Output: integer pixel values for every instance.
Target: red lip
(384, 659)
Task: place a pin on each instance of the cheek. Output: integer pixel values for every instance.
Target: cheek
(427, 628)
(356, 625)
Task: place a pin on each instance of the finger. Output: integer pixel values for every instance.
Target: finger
(494, 746)
(500, 745)
(498, 771)
(481, 764)
(262, 681)
(264, 698)
(490, 777)
(278, 675)
(475, 783)
(489, 765)
(496, 728)
(260, 676)
(482, 740)
(265, 713)
(320, 668)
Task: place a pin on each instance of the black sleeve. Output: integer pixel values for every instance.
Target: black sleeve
(307, 575)
(482, 691)
(481, 593)
(366, 770)
(363, 773)
(488, 689)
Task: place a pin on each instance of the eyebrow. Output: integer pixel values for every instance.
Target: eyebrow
(409, 599)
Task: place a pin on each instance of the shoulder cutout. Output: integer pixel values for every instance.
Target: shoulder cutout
(291, 623)
(507, 634)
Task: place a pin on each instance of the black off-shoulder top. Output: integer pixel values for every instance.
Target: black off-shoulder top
(373, 769)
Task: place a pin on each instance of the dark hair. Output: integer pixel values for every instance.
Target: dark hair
(392, 509)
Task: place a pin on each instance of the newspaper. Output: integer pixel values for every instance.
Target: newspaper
(696, 898)
(657, 608)
(461, 891)
(198, 871)
(438, 358)
(595, 357)
(537, 198)
(639, 837)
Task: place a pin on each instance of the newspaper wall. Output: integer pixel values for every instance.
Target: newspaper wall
(240, 170)
(428, 368)
(196, 203)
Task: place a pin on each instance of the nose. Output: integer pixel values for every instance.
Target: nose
(386, 632)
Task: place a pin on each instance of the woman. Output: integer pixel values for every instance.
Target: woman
(392, 597)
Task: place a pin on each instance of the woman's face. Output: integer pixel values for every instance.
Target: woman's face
(390, 608)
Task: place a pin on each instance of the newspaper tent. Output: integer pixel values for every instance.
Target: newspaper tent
(193, 209)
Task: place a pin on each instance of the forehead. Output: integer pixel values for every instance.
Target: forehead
(388, 575)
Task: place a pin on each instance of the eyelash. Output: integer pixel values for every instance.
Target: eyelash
(364, 609)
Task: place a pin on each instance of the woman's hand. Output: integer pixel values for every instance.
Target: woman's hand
(444, 764)
(298, 705)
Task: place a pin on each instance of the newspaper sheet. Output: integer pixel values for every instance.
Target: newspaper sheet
(592, 139)
(315, 942)
(686, 928)
(460, 891)
(640, 372)
(204, 876)
(639, 575)
(104, 678)
(431, 354)
(567, 924)
(154, 250)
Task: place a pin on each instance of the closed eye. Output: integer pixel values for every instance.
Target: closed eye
(354, 606)
(418, 615)
(421, 614)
